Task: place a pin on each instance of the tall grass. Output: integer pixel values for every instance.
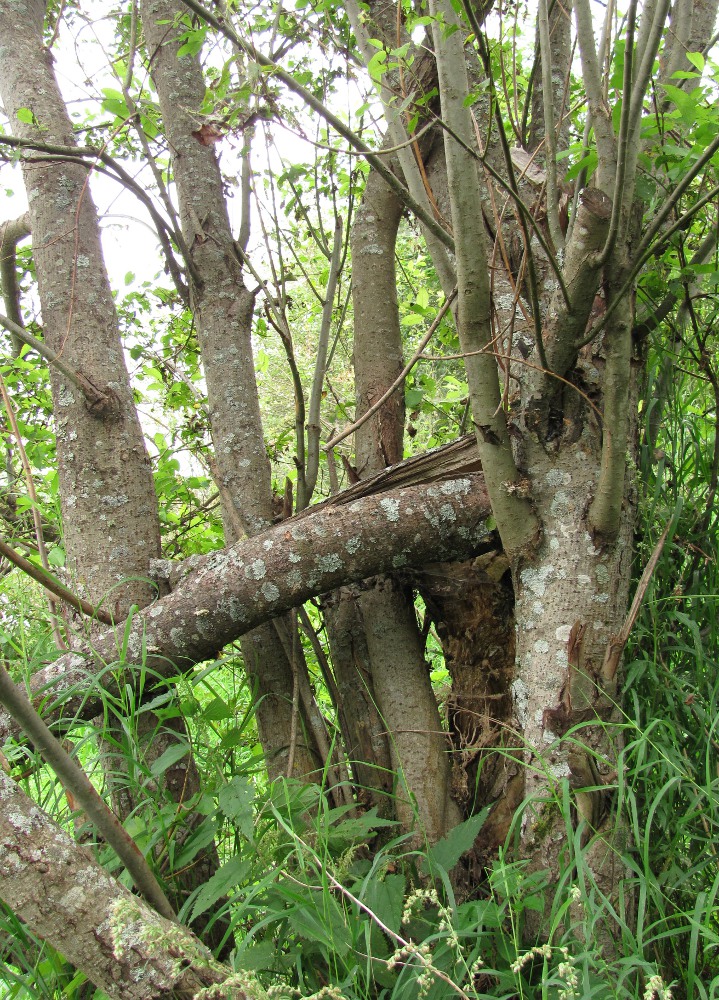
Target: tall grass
(329, 902)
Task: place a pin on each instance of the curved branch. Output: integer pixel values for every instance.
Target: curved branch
(235, 590)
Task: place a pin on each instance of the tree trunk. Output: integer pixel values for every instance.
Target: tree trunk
(110, 517)
(109, 506)
(400, 675)
(223, 308)
(69, 900)
(231, 592)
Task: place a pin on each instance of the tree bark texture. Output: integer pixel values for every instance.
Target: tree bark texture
(400, 674)
(233, 591)
(68, 899)
(108, 498)
(223, 309)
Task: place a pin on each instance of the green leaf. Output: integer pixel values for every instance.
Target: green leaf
(386, 900)
(376, 65)
(217, 710)
(56, 557)
(447, 852)
(236, 800)
(168, 758)
(225, 878)
(697, 59)
(201, 837)
(25, 115)
(327, 929)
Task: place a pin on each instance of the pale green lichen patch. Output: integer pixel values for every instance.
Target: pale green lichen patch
(353, 544)
(455, 487)
(270, 591)
(257, 570)
(448, 513)
(391, 508)
(329, 563)
(228, 607)
(602, 574)
(555, 477)
(294, 558)
(536, 579)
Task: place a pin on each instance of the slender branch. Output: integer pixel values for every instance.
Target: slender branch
(516, 522)
(550, 137)
(337, 124)
(643, 255)
(526, 219)
(618, 199)
(640, 86)
(656, 315)
(36, 518)
(378, 404)
(313, 422)
(92, 394)
(84, 792)
(51, 584)
(599, 112)
(10, 235)
(410, 159)
(80, 155)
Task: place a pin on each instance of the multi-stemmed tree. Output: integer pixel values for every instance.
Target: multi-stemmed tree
(518, 538)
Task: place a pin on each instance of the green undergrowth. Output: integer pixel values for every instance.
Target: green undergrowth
(334, 901)
(331, 901)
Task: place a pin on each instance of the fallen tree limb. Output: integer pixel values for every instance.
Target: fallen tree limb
(256, 580)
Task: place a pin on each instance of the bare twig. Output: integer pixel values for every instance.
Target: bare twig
(400, 378)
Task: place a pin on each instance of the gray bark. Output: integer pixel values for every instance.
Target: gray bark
(400, 675)
(516, 522)
(363, 730)
(235, 590)
(221, 302)
(68, 899)
(223, 308)
(108, 498)
(110, 516)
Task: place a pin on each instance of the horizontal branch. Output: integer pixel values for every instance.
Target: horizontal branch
(235, 590)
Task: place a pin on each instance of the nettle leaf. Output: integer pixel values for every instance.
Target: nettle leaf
(385, 898)
(328, 929)
(225, 878)
(56, 557)
(447, 852)
(236, 799)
